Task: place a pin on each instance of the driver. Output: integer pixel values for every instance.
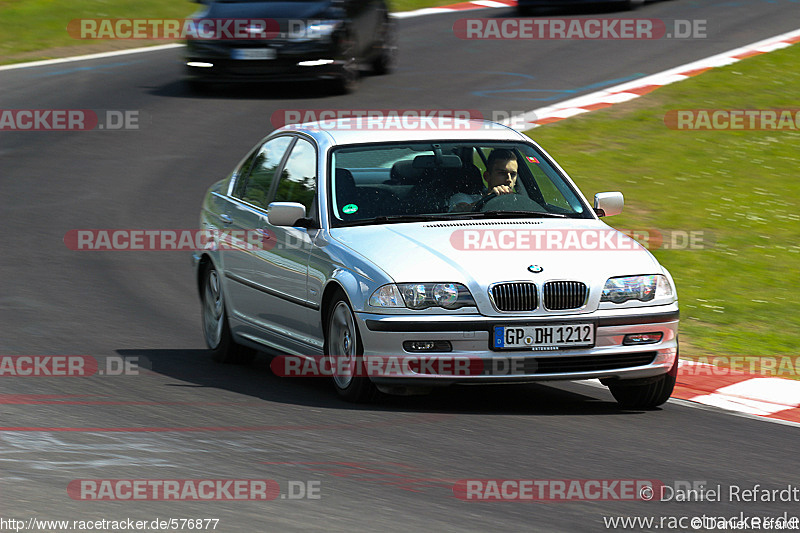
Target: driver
(500, 175)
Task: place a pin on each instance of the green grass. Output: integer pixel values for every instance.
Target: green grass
(410, 5)
(31, 26)
(739, 296)
(34, 25)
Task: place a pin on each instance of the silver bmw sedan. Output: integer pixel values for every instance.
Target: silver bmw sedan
(396, 259)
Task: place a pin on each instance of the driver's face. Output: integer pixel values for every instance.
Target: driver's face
(503, 173)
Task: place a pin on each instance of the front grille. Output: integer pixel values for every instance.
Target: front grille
(515, 297)
(564, 295)
(583, 363)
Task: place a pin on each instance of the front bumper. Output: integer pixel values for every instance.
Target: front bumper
(470, 336)
(211, 61)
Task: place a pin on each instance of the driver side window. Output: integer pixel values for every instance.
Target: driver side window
(256, 187)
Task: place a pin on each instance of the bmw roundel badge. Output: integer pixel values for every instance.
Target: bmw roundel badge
(535, 269)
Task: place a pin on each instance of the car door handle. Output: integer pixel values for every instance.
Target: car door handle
(264, 233)
(226, 219)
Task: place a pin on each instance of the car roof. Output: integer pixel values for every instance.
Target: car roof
(353, 130)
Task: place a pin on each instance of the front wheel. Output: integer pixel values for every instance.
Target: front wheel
(643, 394)
(345, 353)
(387, 56)
(347, 81)
(216, 330)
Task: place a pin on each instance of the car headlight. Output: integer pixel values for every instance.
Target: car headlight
(312, 30)
(422, 295)
(642, 288)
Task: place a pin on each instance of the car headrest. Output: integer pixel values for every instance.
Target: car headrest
(345, 185)
(430, 161)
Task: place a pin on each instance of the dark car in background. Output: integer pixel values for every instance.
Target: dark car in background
(278, 40)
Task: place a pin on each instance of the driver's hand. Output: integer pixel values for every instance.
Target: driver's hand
(501, 189)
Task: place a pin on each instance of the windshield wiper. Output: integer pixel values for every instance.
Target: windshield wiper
(390, 219)
(521, 214)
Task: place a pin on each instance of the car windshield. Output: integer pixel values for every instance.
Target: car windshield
(403, 182)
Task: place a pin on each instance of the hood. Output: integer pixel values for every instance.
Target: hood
(268, 10)
(479, 253)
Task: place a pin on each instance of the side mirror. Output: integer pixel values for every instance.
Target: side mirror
(286, 213)
(608, 204)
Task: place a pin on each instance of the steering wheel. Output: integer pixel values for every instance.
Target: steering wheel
(483, 201)
(507, 202)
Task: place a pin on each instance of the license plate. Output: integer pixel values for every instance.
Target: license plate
(549, 336)
(253, 53)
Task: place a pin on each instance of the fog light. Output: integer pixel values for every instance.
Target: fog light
(642, 338)
(200, 64)
(427, 346)
(315, 63)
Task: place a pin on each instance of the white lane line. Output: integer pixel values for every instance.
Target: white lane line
(46, 62)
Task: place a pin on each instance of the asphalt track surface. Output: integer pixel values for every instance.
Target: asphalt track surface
(389, 466)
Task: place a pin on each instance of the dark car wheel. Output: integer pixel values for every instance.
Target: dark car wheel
(387, 57)
(347, 81)
(343, 347)
(216, 330)
(643, 395)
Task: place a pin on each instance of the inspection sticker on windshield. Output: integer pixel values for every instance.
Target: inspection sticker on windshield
(349, 209)
(253, 53)
(550, 336)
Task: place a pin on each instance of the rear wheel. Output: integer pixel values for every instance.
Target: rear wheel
(344, 349)
(216, 330)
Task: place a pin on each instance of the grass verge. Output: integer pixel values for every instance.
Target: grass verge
(739, 293)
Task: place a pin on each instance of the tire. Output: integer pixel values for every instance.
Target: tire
(347, 82)
(640, 394)
(197, 86)
(385, 61)
(216, 330)
(343, 343)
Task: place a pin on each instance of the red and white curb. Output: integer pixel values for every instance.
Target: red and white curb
(769, 397)
(634, 89)
(463, 6)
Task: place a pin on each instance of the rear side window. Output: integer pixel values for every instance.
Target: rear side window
(258, 183)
